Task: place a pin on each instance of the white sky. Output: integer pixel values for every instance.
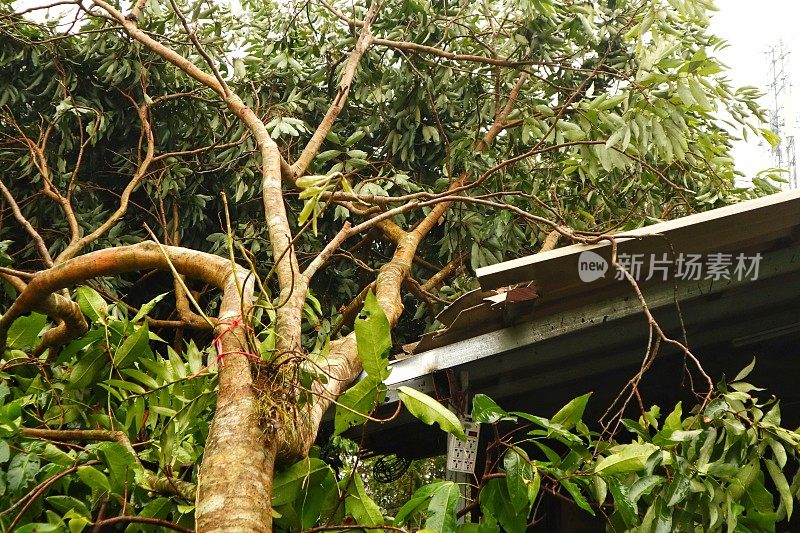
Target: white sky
(751, 28)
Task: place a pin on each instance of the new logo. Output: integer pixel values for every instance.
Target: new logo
(591, 266)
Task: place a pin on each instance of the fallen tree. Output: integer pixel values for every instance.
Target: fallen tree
(385, 158)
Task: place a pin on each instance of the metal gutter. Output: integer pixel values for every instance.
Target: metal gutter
(733, 227)
(536, 330)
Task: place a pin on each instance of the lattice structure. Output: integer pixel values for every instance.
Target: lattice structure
(782, 118)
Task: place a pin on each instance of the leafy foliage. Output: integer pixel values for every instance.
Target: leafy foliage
(109, 379)
(593, 116)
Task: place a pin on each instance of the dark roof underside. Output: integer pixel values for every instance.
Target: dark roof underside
(591, 337)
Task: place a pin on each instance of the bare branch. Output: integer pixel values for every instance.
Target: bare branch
(226, 91)
(329, 249)
(502, 115)
(77, 245)
(421, 48)
(38, 242)
(350, 22)
(165, 486)
(454, 266)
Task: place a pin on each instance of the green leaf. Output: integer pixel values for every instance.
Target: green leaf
(486, 411)
(146, 308)
(534, 486)
(684, 436)
(85, 371)
(706, 449)
(156, 508)
(663, 517)
(416, 502)
(442, 508)
(571, 414)
(51, 454)
(77, 523)
(288, 483)
(308, 209)
(778, 452)
(673, 420)
(617, 136)
(782, 485)
(363, 397)
(10, 418)
(38, 527)
(600, 489)
(745, 371)
(318, 496)
(685, 94)
(122, 466)
(327, 155)
(494, 499)
(91, 303)
(629, 458)
(355, 137)
(134, 347)
(577, 497)
(141, 377)
(94, 478)
(21, 471)
(699, 94)
(313, 180)
(519, 474)
(24, 332)
(770, 136)
(623, 504)
(373, 338)
(678, 489)
(716, 408)
(360, 506)
(5, 451)
(64, 504)
(429, 411)
(552, 429)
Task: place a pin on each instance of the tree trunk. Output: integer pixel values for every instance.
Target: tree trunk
(235, 481)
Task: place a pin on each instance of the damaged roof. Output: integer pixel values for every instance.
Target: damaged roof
(536, 334)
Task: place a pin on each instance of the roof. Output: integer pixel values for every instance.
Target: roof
(538, 350)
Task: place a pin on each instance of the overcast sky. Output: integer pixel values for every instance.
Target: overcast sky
(751, 28)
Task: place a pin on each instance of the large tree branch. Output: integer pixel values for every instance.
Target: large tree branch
(312, 148)
(453, 267)
(343, 365)
(70, 322)
(272, 163)
(502, 114)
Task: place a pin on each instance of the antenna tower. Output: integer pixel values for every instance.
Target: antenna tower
(782, 120)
